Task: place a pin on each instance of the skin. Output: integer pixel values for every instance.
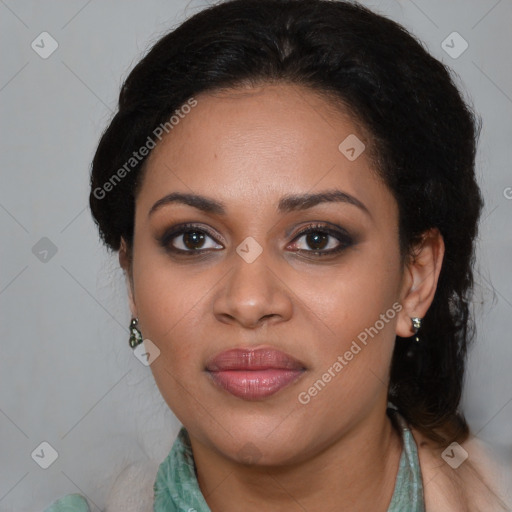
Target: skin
(247, 148)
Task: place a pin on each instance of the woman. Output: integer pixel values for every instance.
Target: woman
(295, 215)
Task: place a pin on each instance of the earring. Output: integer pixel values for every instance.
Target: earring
(135, 334)
(416, 326)
(417, 353)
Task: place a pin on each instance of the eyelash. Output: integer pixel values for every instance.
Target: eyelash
(345, 240)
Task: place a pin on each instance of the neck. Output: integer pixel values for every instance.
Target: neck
(357, 471)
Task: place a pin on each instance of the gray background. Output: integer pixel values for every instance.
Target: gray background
(67, 374)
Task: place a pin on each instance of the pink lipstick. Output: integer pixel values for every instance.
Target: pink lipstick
(254, 374)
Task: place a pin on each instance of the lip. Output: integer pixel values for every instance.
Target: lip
(253, 374)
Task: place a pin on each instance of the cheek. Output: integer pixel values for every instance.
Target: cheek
(168, 304)
(351, 297)
(164, 292)
(172, 321)
(358, 307)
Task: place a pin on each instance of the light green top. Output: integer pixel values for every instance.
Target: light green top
(177, 490)
(69, 503)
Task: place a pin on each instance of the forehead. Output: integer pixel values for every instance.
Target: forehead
(250, 144)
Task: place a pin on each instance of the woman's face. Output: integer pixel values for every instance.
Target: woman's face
(243, 276)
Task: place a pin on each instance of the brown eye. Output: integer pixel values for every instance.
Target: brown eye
(193, 239)
(317, 241)
(322, 240)
(188, 239)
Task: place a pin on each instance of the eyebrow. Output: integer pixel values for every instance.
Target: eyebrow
(286, 204)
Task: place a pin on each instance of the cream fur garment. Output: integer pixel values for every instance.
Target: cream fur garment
(472, 487)
(477, 485)
(133, 489)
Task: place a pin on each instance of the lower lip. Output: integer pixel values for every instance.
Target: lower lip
(254, 384)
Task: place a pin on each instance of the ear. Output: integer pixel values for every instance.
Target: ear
(125, 262)
(420, 278)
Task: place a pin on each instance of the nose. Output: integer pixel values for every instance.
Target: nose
(252, 294)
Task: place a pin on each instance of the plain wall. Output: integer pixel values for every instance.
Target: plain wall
(67, 374)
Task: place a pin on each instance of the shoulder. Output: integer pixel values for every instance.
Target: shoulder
(132, 490)
(459, 478)
(74, 502)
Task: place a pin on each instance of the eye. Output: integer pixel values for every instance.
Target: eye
(323, 240)
(188, 238)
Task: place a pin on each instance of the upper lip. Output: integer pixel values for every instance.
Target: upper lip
(253, 359)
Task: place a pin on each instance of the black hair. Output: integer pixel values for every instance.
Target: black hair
(423, 135)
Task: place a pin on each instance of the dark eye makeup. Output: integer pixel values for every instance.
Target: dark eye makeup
(193, 237)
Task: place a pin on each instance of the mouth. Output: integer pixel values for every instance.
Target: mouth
(254, 374)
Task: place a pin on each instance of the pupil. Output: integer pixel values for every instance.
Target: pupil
(314, 239)
(194, 238)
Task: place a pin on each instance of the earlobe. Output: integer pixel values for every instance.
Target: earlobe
(421, 275)
(124, 261)
(131, 300)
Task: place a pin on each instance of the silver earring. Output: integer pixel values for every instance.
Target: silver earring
(416, 326)
(135, 334)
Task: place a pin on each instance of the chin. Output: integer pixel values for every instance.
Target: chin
(259, 444)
